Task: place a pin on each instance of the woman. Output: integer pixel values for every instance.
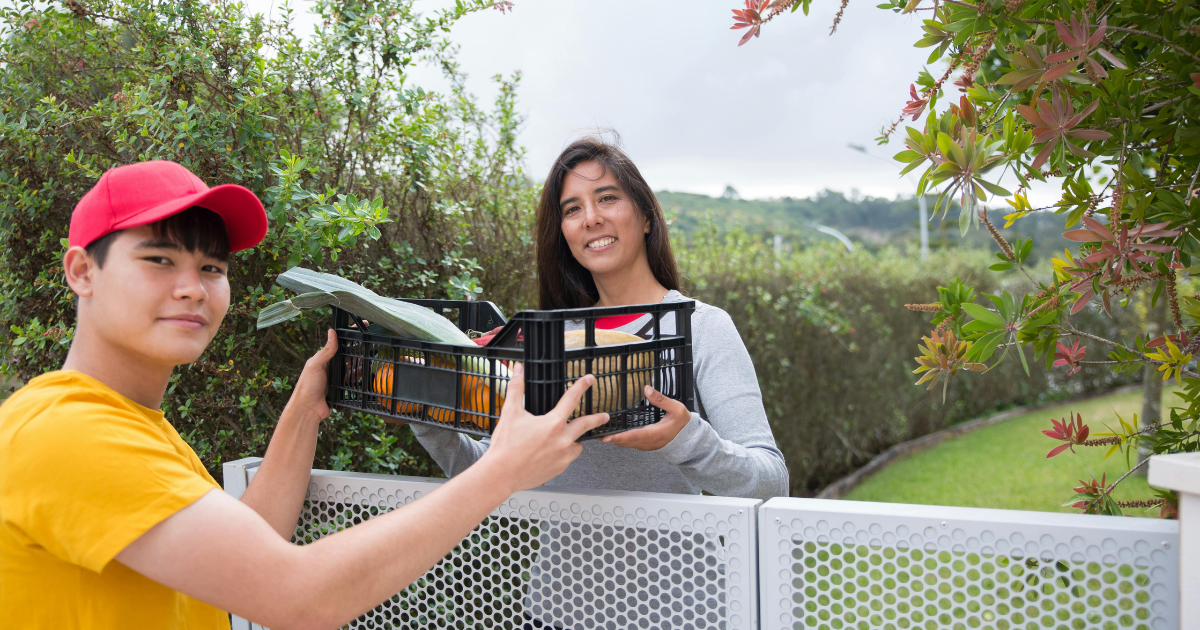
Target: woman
(602, 241)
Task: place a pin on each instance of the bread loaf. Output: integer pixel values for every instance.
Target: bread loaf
(606, 393)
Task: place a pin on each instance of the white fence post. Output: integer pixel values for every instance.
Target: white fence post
(1181, 473)
(237, 476)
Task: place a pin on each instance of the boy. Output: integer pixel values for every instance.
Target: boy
(109, 520)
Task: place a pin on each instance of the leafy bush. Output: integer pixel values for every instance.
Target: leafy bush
(1101, 95)
(832, 345)
(410, 192)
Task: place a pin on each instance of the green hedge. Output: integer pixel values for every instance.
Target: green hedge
(833, 346)
(363, 173)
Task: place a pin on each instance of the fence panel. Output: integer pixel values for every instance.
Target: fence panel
(848, 564)
(555, 559)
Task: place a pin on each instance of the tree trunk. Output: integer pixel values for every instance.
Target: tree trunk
(1152, 383)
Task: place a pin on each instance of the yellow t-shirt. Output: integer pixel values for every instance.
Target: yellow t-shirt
(84, 471)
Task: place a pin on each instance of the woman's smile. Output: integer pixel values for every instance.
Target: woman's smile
(601, 244)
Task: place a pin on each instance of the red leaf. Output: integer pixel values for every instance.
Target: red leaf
(1056, 450)
(1065, 34)
(1162, 249)
(1112, 59)
(1031, 114)
(1082, 301)
(1061, 70)
(1094, 40)
(1082, 236)
(1089, 109)
(1099, 228)
(1044, 154)
(1054, 114)
(1155, 230)
(1061, 56)
(753, 32)
(1089, 134)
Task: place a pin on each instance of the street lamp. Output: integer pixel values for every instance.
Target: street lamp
(924, 223)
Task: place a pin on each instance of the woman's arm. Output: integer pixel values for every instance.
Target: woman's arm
(453, 451)
(731, 451)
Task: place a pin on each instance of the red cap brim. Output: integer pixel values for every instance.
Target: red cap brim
(244, 216)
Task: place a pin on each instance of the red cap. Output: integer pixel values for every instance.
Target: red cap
(147, 192)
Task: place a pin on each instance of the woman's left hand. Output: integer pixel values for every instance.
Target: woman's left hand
(659, 434)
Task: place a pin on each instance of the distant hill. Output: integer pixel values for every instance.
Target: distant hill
(870, 222)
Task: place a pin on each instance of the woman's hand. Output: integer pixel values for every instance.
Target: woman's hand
(659, 434)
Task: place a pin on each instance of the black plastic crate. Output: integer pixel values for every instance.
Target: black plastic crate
(462, 387)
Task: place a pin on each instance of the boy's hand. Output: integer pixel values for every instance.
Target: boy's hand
(308, 397)
(529, 450)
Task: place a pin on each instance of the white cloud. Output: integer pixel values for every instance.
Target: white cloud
(695, 110)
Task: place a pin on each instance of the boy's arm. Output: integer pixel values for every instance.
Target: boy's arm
(220, 552)
(281, 482)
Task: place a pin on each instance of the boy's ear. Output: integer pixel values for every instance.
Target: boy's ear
(79, 267)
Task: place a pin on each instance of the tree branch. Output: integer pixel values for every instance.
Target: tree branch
(1159, 87)
(1192, 187)
(283, 346)
(963, 4)
(1157, 106)
(1075, 331)
(1113, 485)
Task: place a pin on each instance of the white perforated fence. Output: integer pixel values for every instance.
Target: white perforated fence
(847, 564)
(615, 560)
(548, 559)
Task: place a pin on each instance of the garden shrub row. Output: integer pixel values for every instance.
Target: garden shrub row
(833, 346)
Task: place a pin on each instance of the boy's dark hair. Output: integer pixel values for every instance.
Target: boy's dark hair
(195, 230)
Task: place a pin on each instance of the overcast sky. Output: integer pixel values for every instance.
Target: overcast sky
(696, 112)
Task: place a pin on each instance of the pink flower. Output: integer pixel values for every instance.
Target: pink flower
(503, 6)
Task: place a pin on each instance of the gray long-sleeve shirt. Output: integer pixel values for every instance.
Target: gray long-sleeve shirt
(726, 449)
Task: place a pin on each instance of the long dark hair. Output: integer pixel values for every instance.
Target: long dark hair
(562, 281)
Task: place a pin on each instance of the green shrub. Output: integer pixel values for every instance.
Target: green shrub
(410, 192)
(832, 345)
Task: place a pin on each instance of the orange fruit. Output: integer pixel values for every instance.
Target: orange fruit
(476, 396)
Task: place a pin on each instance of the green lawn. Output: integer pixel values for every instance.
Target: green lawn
(1005, 465)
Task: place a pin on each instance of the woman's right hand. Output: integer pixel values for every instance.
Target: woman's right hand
(530, 450)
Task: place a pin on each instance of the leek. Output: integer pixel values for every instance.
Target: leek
(322, 289)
